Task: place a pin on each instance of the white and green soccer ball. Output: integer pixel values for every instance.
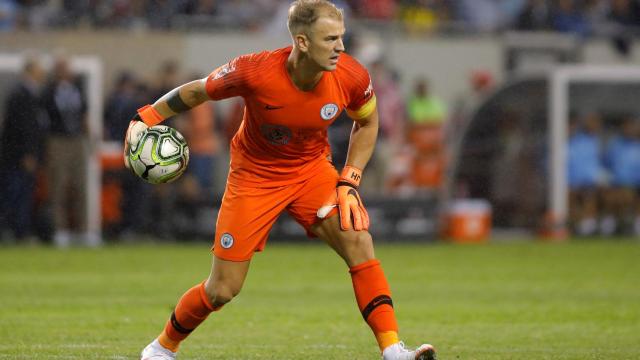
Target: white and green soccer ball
(160, 156)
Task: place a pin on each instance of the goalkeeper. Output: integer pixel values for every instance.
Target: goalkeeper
(280, 161)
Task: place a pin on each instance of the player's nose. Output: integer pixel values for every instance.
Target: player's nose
(339, 46)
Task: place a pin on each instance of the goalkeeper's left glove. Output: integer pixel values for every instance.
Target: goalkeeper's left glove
(350, 205)
(145, 117)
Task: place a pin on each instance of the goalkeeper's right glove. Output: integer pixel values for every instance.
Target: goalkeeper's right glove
(350, 205)
(145, 117)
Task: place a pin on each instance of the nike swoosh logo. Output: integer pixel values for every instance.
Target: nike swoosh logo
(271, 107)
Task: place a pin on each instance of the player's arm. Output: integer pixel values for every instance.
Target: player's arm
(176, 101)
(361, 144)
(363, 137)
(182, 98)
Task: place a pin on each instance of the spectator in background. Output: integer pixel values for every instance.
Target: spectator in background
(160, 12)
(624, 18)
(392, 120)
(121, 103)
(68, 146)
(20, 150)
(622, 158)
(481, 84)
(536, 15)
(391, 105)
(596, 11)
(568, 17)
(73, 12)
(423, 16)
(199, 128)
(136, 197)
(167, 79)
(8, 15)
(163, 199)
(585, 172)
(625, 12)
(376, 9)
(418, 166)
(483, 15)
(508, 169)
(423, 107)
(200, 7)
(249, 14)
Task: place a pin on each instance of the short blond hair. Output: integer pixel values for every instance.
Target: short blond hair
(303, 13)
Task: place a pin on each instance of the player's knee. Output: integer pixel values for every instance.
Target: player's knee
(220, 293)
(358, 247)
(362, 240)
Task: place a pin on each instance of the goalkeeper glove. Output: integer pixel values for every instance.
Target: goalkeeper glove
(350, 205)
(145, 117)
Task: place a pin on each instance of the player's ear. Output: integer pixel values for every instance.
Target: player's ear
(302, 42)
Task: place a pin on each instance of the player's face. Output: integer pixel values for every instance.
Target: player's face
(325, 42)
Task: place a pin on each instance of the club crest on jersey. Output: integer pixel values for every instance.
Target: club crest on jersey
(226, 240)
(329, 111)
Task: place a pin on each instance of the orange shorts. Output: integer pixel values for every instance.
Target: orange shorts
(248, 213)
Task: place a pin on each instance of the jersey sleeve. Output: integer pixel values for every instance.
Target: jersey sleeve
(234, 78)
(362, 98)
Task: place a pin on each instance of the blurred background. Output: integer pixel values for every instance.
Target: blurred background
(497, 117)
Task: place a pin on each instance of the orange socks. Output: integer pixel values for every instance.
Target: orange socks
(369, 283)
(192, 309)
(374, 301)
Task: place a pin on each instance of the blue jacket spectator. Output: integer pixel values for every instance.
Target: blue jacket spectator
(585, 168)
(623, 158)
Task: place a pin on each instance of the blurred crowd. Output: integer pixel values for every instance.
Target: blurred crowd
(604, 175)
(44, 149)
(583, 17)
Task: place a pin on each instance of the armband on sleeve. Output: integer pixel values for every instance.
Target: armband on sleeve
(365, 110)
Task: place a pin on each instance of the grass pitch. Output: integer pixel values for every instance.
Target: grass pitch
(578, 300)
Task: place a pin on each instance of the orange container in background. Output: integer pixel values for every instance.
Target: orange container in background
(469, 221)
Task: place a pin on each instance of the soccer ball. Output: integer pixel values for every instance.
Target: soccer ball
(160, 156)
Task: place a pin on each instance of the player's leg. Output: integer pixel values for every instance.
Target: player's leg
(371, 288)
(224, 283)
(356, 248)
(245, 218)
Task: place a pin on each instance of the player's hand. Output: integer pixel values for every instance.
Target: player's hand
(350, 205)
(134, 133)
(145, 116)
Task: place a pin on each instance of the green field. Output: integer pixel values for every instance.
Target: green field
(578, 300)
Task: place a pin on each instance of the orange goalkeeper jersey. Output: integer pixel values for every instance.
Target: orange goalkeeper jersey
(283, 135)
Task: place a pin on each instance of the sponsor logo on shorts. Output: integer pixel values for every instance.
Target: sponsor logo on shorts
(329, 111)
(276, 134)
(226, 240)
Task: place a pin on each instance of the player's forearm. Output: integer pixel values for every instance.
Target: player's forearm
(182, 98)
(362, 143)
